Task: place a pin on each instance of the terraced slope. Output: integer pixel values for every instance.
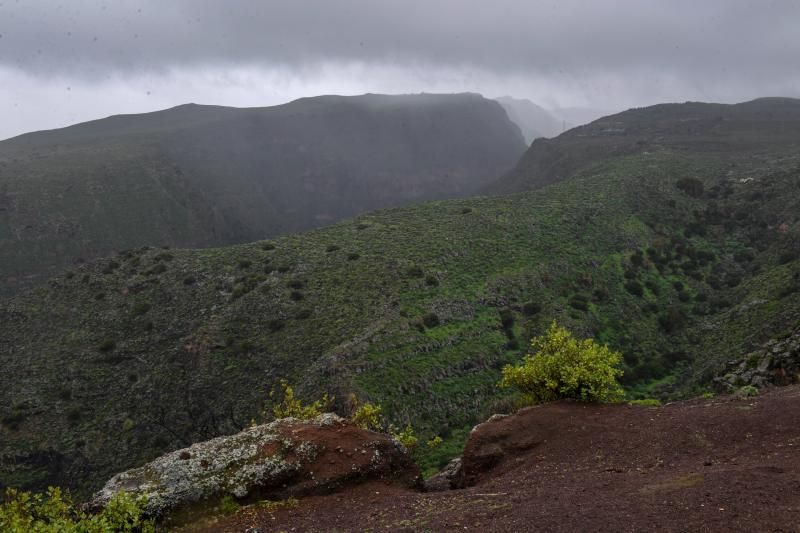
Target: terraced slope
(196, 176)
(679, 259)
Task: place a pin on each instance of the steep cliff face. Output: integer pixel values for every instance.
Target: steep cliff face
(196, 176)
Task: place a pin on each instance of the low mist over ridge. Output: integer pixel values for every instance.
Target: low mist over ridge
(208, 175)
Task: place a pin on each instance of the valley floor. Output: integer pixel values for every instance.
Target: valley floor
(719, 464)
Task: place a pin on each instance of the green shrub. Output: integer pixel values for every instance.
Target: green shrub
(228, 505)
(507, 318)
(54, 511)
(647, 402)
(690, 186)
(368, 416)
(431, 320)
(579, 302)
(407, 437)
(531, 308)
(747, 391)
(291, 406)
(562, 366)
(635, 288)
(415, 272)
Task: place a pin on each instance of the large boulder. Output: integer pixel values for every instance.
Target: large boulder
(288, 457)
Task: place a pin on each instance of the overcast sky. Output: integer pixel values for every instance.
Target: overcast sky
(75, 60)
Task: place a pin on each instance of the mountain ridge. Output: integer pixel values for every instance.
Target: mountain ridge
(679, 257)
(196, 176)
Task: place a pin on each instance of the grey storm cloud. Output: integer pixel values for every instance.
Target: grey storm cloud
(689, 38)
(68, 61)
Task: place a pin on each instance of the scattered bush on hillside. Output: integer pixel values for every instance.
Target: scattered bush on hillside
(579, 302)
(672, 319)
(431, 320)
(368, 416)
(690, 186)
(406, 436)
(531, 308)
(54, 511)
(106, 345)
(562, 366)
(787, 257)
(290, 406)
(507, 319)
(414, 272)
(635, 288)
(748, 391)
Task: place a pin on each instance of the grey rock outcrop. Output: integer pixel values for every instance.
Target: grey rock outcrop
(776, 363)
(288, 457)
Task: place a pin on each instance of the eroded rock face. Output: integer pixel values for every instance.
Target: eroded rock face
(449, 477)
(777, 363)
(287, 457)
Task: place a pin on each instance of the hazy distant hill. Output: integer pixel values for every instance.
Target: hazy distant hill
(723, 130)
(670, 233)
(534, 120)
(196, 176)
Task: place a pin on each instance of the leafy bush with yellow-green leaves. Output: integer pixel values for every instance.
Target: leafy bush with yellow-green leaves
(55, 512)
(369, 416)
(561, 366)
(292, 407)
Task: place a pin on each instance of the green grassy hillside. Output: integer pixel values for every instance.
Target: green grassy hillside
(196, 176)
(679, 258)
(735, 133)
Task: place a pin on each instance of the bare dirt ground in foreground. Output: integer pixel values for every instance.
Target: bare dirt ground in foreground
(720, 464)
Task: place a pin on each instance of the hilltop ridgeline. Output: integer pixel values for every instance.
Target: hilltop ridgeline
(197, 176)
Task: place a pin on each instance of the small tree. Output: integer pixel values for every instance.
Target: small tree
(562, 366)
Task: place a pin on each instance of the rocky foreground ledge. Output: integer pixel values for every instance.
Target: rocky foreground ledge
(288, 457)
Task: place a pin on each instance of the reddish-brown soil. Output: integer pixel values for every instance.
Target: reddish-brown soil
(724, 464)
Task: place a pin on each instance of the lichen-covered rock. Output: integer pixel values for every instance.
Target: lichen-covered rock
(283, 458)
(776, 363)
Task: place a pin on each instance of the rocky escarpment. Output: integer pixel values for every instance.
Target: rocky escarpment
(288, 457)
(776, 363)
